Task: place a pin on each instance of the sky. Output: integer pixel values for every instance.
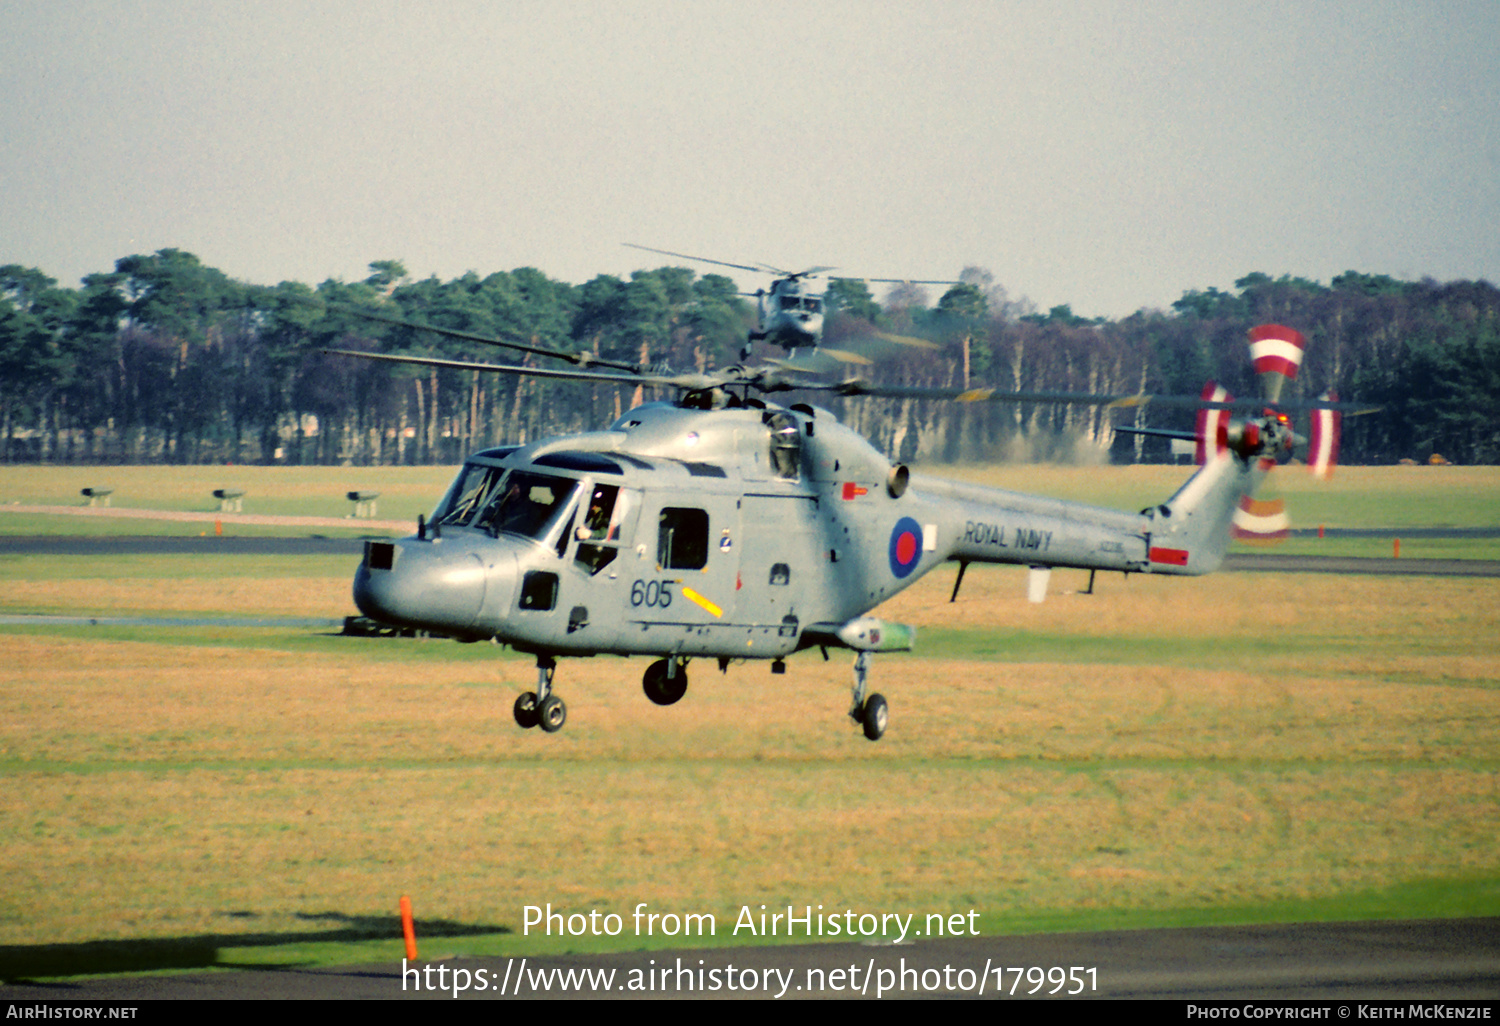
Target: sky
(1110, 156)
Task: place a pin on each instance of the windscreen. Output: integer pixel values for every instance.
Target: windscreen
(468, 495)
(526, 504)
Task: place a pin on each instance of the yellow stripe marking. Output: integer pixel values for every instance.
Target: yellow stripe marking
(701, 601)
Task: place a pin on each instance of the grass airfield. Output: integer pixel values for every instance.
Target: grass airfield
(1237, 748)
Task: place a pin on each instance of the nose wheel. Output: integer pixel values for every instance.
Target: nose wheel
(541, 708)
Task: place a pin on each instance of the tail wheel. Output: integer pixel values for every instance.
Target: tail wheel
(874, 716)
(552, 714)
(526, 711)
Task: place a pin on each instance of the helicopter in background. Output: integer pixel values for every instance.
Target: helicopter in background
(790, 313)
(720, 525)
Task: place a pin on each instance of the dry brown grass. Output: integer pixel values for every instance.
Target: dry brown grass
(178, 596)
(1239, 739)
(161, 790)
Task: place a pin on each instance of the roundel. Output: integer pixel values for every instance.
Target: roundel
(906, 546)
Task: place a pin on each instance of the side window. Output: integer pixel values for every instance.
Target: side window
(600, 530)
(600, 523)
(682, 539)
(539, 591)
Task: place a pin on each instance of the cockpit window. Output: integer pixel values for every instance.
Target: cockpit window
(526, 504)
(468, 494)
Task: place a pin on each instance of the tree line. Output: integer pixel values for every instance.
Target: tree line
(165, 359)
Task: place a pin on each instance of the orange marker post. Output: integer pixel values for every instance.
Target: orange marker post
(408, 930)
(218, 528)
(1397, 548)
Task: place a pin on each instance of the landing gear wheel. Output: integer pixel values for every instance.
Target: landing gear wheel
(874, 715)
(662, 689)
(525, 710)
(552, 714)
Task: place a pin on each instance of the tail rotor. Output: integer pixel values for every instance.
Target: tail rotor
(1276, 354)
(1323, 447)
(1213, 424)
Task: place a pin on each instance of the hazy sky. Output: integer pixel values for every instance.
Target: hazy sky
(1107, 155)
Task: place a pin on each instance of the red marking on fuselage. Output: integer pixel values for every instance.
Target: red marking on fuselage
(1171, 557)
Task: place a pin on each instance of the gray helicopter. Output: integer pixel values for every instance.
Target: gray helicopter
(790, 313)
(719, 525)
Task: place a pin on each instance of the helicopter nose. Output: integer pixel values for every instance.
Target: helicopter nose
(412, 583)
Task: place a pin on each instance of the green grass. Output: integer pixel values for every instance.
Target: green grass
(1374, 497)
(1438, 898)
(281, 491)
(42, 525)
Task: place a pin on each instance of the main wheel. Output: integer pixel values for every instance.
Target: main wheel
(874, 716)
(552, 714)
(525, 710)
(660, 688)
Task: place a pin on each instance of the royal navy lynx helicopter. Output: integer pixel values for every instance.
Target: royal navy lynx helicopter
(790, 313)
(720, 525)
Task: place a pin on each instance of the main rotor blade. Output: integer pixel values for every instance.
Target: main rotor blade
(500, 368)
(901, 281)
(992, 395)
(1184, 436)
(702, 260)
(686, 382)
(907, 340)
(783, 273)
(577, 359)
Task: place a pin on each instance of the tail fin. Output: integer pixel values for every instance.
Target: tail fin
(1190, 531)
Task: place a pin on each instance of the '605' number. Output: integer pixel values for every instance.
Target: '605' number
(651, 593)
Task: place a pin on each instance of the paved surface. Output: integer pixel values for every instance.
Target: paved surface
(1273, 563)
(1424, 960)
(205, 517)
